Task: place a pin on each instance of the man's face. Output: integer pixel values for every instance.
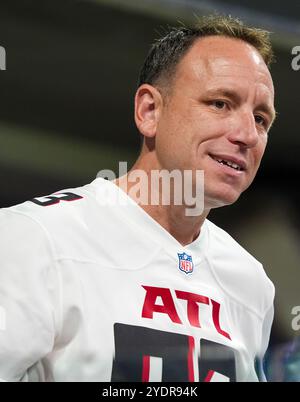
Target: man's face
(218, 114)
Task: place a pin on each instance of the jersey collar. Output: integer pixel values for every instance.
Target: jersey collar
(136, 215)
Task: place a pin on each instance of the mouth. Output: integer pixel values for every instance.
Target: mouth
(229, 161)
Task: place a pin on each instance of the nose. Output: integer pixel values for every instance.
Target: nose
(244, 131)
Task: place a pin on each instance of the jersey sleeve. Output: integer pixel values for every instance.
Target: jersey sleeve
(265, 337)
(28, 295)
(266, 331)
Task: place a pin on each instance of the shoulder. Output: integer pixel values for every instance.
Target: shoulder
(86, 224)
(70, 204)
(63, 203)
(53, 218)
(240, 274)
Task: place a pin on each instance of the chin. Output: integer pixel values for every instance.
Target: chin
(221, 199)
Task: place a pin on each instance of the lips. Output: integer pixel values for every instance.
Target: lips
(230, 161)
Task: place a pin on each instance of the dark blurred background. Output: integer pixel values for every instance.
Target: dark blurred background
(66, 111)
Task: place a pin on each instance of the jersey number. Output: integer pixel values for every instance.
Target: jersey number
(134, 346)
(55, 199)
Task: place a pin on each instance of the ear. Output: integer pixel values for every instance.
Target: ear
(147, 110)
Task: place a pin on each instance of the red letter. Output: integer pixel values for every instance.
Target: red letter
(192, 306)
(168, 306)
(216, 318)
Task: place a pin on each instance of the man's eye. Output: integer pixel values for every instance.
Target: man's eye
(219, 104)
(260, 120)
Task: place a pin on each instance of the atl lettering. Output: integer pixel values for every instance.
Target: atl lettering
(194, 301)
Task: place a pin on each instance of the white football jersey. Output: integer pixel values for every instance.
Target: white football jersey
(93, 289)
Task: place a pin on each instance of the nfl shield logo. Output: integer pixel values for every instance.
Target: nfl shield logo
(185, 263)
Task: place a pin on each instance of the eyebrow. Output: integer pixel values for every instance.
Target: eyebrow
(229, 93)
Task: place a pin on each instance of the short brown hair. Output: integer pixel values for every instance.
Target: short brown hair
(165, 53)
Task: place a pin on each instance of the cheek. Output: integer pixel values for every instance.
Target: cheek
(211, 128)
(259, 152)
(176, 129)
(256, 158)
(167, 143)
(176, 145)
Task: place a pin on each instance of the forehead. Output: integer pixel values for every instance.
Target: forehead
(216, 58)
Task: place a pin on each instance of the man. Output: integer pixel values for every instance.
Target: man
(95, 290)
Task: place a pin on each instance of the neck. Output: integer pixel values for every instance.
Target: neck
(185, 229)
